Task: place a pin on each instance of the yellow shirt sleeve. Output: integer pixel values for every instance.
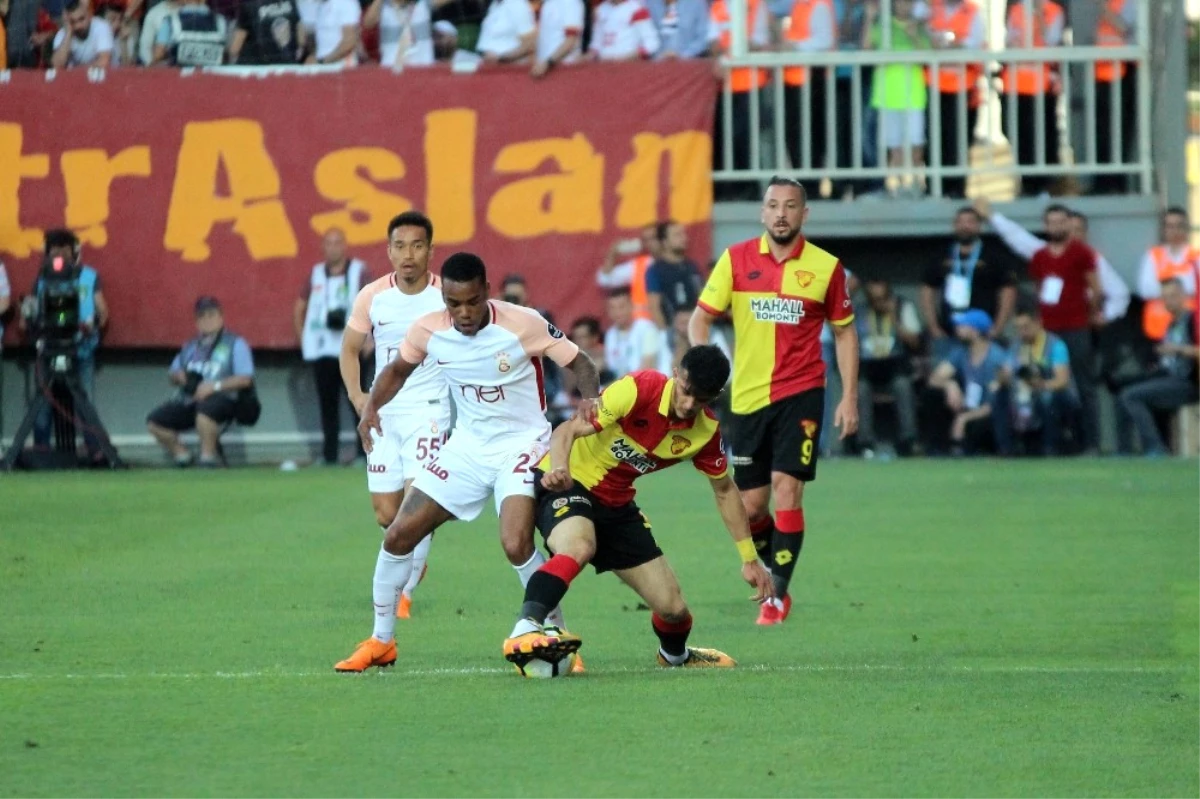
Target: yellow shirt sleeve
(718, 291)
(616, 402)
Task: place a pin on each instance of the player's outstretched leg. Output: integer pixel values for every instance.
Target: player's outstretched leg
(656, 584)
(418, 517)
(574, 541)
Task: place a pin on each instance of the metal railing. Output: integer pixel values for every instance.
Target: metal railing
(756, 153)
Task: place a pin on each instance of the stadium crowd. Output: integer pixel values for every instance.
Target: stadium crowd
(542, 34)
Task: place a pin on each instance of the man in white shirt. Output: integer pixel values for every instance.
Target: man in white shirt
(1174, 259)
(1116, 293)
(335, 30)
(509, 32)
(83, 40)
(630, 344)
(622, 30)
(560, 26)
(490, 353)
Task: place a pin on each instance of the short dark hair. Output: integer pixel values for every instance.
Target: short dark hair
(464, 267)
(662, 228)
(590, 322)
(411, 219)
(1172, 281)
(969, 209)
(104, 8)
(1027, 306)
(707, 368)
(513, 278)
(1081, 216)
(1176, 210)
(1056, 208)
(61, 237)
(621, 292)
(780, 180)
(73, 5)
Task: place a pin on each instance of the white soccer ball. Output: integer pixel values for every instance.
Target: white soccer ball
(544, 669)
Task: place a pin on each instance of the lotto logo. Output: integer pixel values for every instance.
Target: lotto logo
(376, 468)
(783, 557)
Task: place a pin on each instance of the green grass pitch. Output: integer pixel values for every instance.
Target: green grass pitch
(961, 628)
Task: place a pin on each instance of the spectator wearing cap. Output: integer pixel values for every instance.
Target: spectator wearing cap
(446, 49)
(968, 384)
(559, 35)
(214, 377)
(509, 32)
(622, 30)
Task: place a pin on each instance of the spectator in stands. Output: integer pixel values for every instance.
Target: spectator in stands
(1042, 400)
(1173, 384)
(1115, 27)
(446, 49)
(630, 344)
(559, 36)
(151, 24)
(673, 280)
(969, 383)
(509, 32)
(214, 373)
(405, 32)
(631, 274)
(957, 25)
(1036, 87)
(125, 35)
(970, 273)
(588, 335)
(83, 40)
(319, 318)
(852, 16)
(1069, 295)
(682, 27)
(1116, 293)
(741, 81)
(193, 35)
(622, 30)
(898, 91)
(5, 301)
(465, 17)
(268, 32)
(889, 332)
(514, 289)
(334, 28)
(812, 28)
(675, 340)
(1174, 258)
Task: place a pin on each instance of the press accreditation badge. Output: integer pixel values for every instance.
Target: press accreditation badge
(973, 396)
(1051, 291)
(958, 292)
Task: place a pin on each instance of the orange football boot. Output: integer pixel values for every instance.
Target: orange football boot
(699, 658)
(404, 609)
(367, 654)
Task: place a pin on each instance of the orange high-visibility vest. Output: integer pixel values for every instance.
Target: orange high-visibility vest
(953, 79)
(1107, 35)
(1033, 78)
(798, 31)
(742, 79)
(1155, 316)
(637, 288)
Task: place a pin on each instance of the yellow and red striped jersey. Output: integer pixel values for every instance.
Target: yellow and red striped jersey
(635, 435)
(778, 310)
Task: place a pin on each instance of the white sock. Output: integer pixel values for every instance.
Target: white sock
(525, 626)
(391, 573)
(674, 660)
(420, 556)
(526, 571)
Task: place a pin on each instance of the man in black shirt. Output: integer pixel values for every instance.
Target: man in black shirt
(267, 32)
(967, 273)
(673, 281)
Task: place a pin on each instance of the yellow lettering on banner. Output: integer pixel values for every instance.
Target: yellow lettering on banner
(346, 176)
(253, 204)
(88, 177)
(569, 201)
(14, 167)
(690, 198)
(450, 173)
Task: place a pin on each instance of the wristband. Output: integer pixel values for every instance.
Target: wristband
(217, 386)
(747, 550)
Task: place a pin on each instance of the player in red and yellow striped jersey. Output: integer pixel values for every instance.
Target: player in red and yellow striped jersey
(586, 510)
(780, 289)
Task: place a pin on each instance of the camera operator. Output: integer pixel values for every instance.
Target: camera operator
(319, 318)
(93, 318)
(215, 376)
(1043, 397)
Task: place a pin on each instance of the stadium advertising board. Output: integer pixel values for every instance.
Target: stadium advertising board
(183, 185)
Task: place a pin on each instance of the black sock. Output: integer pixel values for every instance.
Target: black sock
(672, 635)
(784, 552)
(761, 532)
(542, 595)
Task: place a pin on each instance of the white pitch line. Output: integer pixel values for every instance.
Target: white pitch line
(488, 671)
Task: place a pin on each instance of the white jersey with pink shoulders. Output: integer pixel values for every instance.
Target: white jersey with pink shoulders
(383, 310)
(496, 376)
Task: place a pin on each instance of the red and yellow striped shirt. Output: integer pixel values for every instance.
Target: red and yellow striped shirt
(635, 435)
(778, 310)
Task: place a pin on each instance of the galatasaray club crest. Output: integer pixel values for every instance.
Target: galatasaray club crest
(809, 427)
(679, 445)
(502, 362)
(433, 428)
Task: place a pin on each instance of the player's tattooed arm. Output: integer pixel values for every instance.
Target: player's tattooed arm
(588, 381)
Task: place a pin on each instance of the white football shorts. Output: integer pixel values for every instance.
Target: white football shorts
(464, 473)
(409, 441)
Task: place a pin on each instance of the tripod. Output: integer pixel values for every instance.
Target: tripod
(55, 372)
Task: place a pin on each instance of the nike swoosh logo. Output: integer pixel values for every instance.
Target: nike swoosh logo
(443, 363)
(385, 324)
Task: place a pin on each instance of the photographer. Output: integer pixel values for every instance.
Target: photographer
(63, 254)
(215, 376)
(319, 318)
(1043, 397)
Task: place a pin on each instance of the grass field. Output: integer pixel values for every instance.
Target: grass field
(961, 628)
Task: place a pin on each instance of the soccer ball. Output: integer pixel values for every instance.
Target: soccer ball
(541, 669)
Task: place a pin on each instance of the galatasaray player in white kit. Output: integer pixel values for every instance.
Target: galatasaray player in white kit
(417, 422)
(490, 353)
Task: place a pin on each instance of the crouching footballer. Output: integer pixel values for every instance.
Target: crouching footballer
(645, 422)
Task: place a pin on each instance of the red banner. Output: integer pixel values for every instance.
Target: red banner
(215, 184)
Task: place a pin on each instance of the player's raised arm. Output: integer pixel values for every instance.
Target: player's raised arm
(733, 514)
